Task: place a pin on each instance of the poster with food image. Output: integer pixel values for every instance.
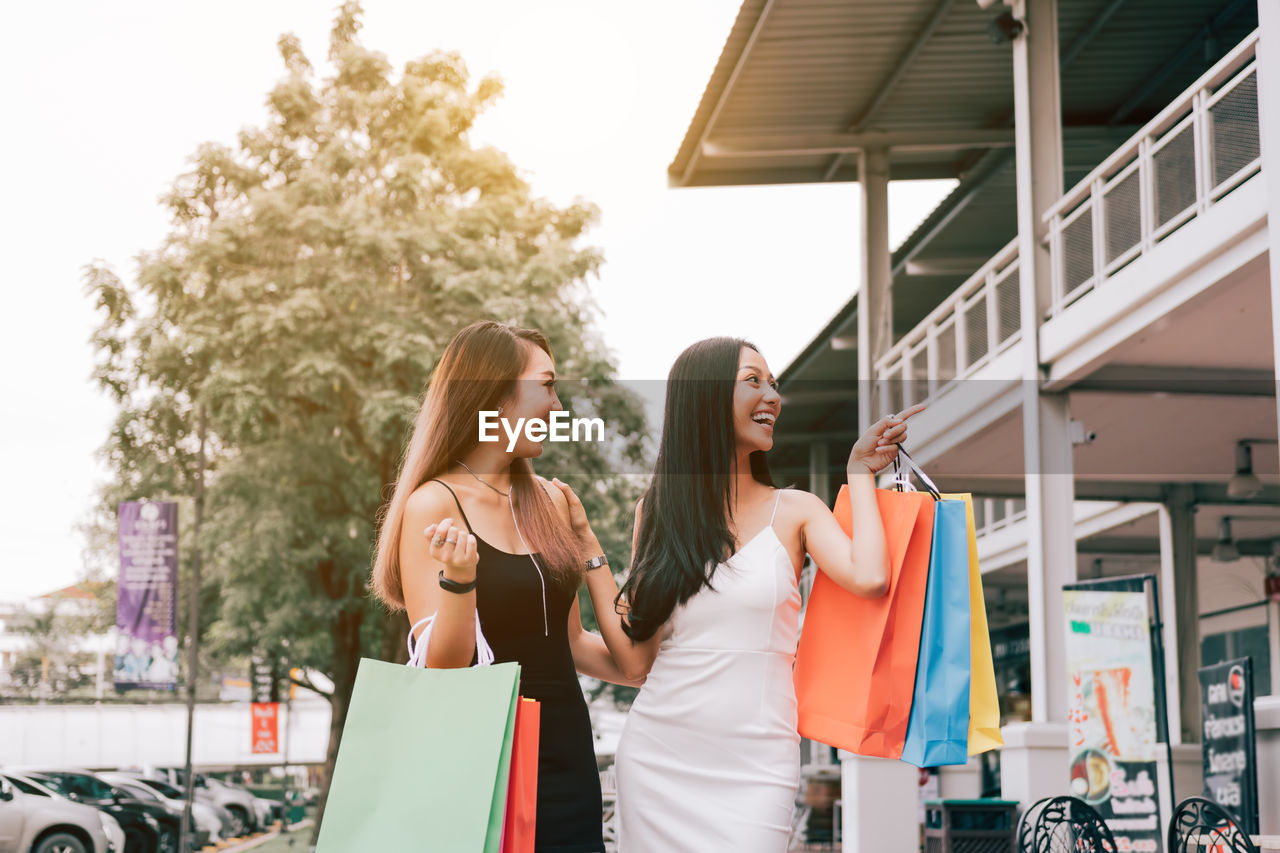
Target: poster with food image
(1112, 714)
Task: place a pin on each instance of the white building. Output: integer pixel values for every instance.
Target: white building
(1091, 316)
(70, 604)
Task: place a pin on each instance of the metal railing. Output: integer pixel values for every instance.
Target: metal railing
(993, 514)
(1199, 148)
(975, 323)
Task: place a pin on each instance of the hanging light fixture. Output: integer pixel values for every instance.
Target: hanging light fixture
(1245, 484)
(1225, 550)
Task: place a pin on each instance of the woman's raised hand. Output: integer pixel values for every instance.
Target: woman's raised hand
(454, 547)
(577, 514)
(878, 446)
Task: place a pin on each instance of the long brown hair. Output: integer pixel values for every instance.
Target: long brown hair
(478, 370)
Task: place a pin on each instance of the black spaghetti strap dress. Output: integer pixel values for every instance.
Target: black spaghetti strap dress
(521, 628)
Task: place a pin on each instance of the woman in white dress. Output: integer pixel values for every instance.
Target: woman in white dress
(709, 758)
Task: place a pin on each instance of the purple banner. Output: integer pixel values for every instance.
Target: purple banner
(146, 597)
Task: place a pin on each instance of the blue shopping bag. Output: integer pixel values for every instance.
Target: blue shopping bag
(938, 730)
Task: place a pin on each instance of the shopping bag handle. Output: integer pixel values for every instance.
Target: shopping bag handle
(902, 478)
(418, 650)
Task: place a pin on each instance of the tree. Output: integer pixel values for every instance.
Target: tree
(311, 278)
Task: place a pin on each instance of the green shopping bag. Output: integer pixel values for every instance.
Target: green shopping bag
(424, 760)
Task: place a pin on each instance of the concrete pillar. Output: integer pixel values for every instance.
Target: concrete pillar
(1188, 777)
(1267, 718)
(961, 781)
(1180, 609)
(875, 302)
(881, 805)
(1051, 557)
(819, 473)
(1273, 619)
(1033, 762)
(1269, 131)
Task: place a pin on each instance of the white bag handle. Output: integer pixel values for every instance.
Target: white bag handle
(418, 650)
(902, 476)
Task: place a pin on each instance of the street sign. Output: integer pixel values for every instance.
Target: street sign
(266, 727)
(1229, 744)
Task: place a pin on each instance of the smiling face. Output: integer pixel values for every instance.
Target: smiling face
(756, 402)
(534, 397)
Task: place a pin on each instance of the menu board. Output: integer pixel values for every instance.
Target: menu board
(1229, 743)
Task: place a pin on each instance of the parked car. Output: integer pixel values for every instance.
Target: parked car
(84, 787)
(43, 823)
(235, 800)
(226, 821)
(269, 811)
(207, 828)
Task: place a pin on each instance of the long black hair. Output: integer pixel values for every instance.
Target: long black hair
(684, 525)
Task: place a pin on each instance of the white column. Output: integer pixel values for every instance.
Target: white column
(1033, 762)
(819, 473)
(1273, 619)
(1046, 434)
(881, 798)
(1180, 609)
(1051, 556)
(875, 304)
(1269, 131)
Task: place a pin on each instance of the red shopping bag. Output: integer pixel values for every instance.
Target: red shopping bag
(522, 792)
(855, 666)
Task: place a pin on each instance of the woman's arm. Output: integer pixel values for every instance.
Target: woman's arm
(427, 517)
(633, 660)
(590, 654)
(859, 563)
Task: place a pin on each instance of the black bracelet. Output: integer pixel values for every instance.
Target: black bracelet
(454, 586)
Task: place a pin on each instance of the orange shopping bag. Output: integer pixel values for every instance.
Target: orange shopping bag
(855, 666)
(522, 795)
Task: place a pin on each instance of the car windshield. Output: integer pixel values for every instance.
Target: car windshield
(79, 785)
(165, 790)
(56, 783)
(140, 792)
(26, 787)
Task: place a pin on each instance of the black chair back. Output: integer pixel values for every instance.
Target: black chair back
(1200, 824)
(1064, 825)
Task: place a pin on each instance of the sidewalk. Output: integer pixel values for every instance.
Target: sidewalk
(296, 840)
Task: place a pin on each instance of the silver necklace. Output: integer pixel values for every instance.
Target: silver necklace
(546, 628)
(482, 479)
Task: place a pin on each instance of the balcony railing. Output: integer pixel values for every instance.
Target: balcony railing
(974, 324)
(1198, 149)
(992, 514)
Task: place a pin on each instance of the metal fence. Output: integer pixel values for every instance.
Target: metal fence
(1198, 149)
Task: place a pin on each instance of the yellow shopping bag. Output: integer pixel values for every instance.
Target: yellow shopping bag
(984, 703)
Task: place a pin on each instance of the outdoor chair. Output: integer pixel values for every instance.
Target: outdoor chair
(1200, 824)
(1064, 825)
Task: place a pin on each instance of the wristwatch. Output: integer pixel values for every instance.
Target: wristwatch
(597, 562)
(454, 586)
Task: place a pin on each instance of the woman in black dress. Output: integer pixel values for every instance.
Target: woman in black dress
(474, 541)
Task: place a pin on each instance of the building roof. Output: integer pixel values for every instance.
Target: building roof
(800, 85)
(82, 591)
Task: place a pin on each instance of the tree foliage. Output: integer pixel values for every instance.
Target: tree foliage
(312, 275)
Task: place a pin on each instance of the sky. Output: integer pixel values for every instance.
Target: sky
(107, 102)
